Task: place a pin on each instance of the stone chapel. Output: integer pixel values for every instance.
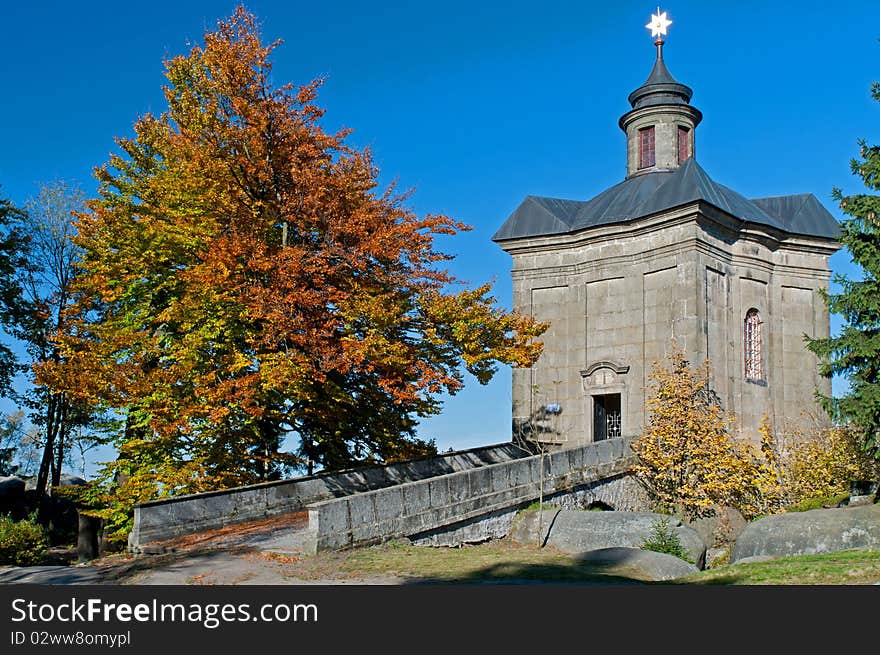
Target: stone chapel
(668, 253)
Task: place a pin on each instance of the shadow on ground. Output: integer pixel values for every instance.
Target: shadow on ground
(521, 573)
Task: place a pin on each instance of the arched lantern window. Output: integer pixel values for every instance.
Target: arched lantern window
(753, 346)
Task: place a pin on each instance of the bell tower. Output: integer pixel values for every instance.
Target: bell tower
(660, 126)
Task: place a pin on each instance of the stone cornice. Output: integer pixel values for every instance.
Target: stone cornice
(682, 247)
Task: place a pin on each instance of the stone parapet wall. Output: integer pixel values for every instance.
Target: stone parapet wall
(454, 500)
(174, 517)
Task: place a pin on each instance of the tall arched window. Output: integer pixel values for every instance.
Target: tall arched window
(753, 345)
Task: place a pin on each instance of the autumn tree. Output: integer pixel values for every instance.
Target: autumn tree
(244, 279)
(855, 351)
(688, 459)
(13, 257)
(46, 288)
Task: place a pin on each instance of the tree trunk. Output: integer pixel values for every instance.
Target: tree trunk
(87, 538)
(61, 445)
(47, 462)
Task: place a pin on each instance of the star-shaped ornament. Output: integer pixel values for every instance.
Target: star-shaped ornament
(659, 23)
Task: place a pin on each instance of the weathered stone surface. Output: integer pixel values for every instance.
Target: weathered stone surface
(577, 531)
(473, 531)
(638, 564)
(863, 492)
(716, 557)
(621, 493)
(68, 480)
(808, 533)
(11, 486)
(525, 529)
(437, 511)
(615, 297)
(721, 529)
(168, 518)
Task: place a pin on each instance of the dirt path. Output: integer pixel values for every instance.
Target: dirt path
(255, 552)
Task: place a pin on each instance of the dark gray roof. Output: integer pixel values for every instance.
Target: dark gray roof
(651, 193)
(660, 88)
(801, 213)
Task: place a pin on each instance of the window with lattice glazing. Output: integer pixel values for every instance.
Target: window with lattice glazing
(753, 342)
(646, 147)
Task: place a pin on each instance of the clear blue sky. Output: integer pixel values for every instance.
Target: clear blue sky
(475, 104)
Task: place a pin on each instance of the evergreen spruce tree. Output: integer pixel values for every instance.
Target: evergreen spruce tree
(855, 351)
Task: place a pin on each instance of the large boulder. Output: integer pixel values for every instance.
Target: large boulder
(64, 480)
(11, 487)
(638, 564)
(526, 526)
(12, 497)
(70, 480)
(809, 533)
(577, 531)
(721, 528)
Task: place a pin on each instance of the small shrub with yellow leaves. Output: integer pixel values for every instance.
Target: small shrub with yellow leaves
(688, 459)
(822, 463)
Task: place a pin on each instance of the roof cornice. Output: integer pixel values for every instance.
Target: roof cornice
(698, 210)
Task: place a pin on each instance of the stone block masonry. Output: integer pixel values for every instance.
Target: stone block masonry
(475, 504)
(165, 519)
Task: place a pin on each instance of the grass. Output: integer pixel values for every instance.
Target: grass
(536, 505)
(503, 560)
(818, 503)
(493, 561)
(850, 567)
(400, 562)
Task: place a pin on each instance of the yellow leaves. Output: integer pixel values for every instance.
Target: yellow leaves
(687, 457)
(823, 462)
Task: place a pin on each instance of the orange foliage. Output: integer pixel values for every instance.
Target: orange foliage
(243, 278)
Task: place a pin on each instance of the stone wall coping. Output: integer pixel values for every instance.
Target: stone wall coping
(317, 476)
(498, 492)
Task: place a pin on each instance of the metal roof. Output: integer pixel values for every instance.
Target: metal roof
(651, 193)
(660, 88)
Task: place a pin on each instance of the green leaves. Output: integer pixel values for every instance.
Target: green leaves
(855, 351)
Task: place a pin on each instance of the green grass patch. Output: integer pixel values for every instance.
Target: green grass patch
(492, 561)
(507, 561)
(818, 503)
(849, 567)
(536, 505)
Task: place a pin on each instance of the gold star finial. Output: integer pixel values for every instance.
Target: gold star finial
(659, 23)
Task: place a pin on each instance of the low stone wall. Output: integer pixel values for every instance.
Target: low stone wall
(164, 519)
(621, 493)
(457, 501)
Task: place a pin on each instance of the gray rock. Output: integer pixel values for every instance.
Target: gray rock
(68, 480)
(716, 557)
(810, 533)
(637, 563)
(525, 526)
(722, 528)
(11, 487)
(576, 531)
